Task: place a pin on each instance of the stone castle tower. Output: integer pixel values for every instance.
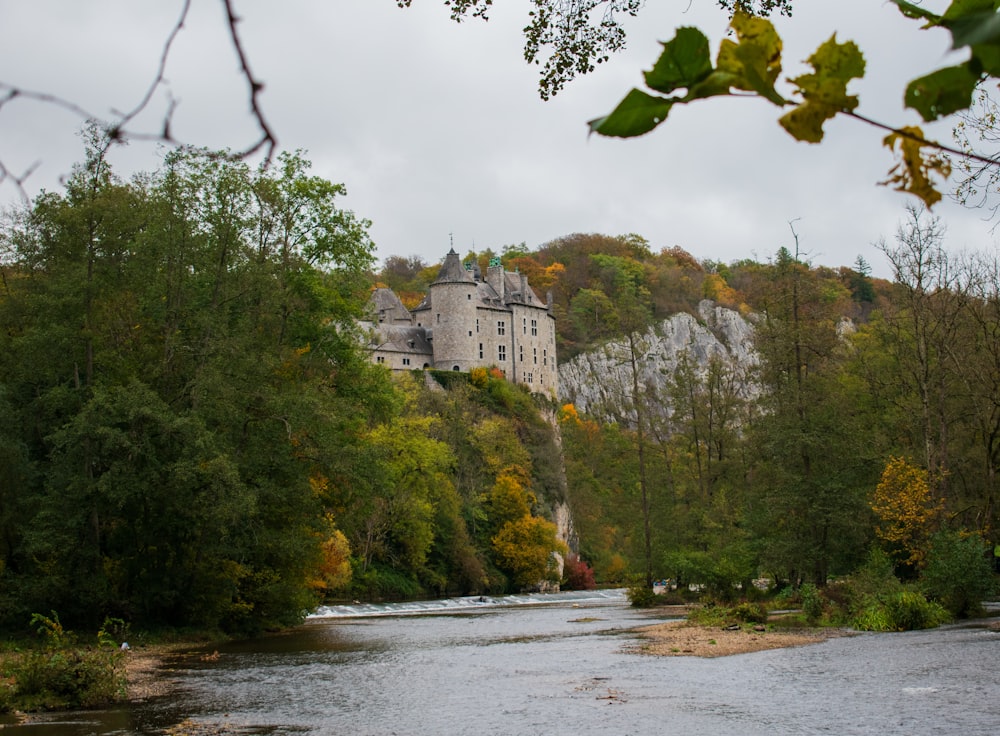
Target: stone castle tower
(465, 322)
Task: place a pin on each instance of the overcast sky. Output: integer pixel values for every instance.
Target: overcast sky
(438, 132)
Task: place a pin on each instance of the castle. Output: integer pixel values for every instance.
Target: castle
(465, 322)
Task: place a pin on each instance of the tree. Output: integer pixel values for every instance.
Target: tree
(923, 326)
(200, 373)
(525, 548)
(907, 511)
(751, 63)
(808, 491)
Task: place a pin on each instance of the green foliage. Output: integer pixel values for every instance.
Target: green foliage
(60, 675)
(749, 613)
(721, 576)
(199, 370)
(958, 573)
(812, 602)
(903, 610)
(712, 615)
(641, 595)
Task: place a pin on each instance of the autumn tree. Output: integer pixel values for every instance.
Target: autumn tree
(525, 548)
(907, 511)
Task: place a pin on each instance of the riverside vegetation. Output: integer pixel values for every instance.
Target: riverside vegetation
(192, 436)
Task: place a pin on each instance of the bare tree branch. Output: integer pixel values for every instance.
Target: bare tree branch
(117, 126)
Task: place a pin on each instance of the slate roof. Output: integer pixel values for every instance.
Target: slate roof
(402, 339)
(384, 302)
(453, 270)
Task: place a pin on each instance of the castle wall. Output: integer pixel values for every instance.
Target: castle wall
(534, 348)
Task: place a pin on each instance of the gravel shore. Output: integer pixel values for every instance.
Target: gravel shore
(681, 639)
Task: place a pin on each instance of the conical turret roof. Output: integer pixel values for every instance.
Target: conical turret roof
(452, 271)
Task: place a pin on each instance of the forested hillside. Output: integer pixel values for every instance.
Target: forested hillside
(871, 419)
(190, 434)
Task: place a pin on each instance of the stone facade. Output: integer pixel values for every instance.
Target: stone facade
(466, 321)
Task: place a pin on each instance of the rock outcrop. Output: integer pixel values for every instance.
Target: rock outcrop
(599, 382)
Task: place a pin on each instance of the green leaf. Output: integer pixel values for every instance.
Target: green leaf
(805, 122)
(978, 28)
(686, 60)
(942, 92)
(825, 91)
(755, 60)
(915, 11)
(636, 115)
(988, 58)
(964, 8)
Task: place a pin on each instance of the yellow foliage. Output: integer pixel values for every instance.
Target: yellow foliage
(906, 509)
(524, 548)
(319, 484)
(616, 569)
(914, 171)
(479, 377)
(509, 499)
(334, 569)
(714, 287)
(568, 413)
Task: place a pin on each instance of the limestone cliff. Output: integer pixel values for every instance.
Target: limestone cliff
(596, 381)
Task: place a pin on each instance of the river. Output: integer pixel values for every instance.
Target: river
(556, 665)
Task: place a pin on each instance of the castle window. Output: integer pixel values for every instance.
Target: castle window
(534, 327)
(380, 359)
(502, 352)
(524, 326)
(477, 325)
(406, 361)
(520, 354)
(455, 368)
(470, 297)
(480, 351)
(535, 355)
(439, 318)
(501, 327)
(470, 333)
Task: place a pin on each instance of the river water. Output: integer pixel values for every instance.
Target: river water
(561, 665)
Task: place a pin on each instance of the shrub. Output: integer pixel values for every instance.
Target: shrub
(641, 595)
(710, 615)
(812, 602)
(958, 573)
(61, 676)
(577, 574)
(749, 613)
(909, 610)
(903, 610)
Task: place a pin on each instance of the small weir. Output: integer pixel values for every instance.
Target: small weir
(467, 604)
